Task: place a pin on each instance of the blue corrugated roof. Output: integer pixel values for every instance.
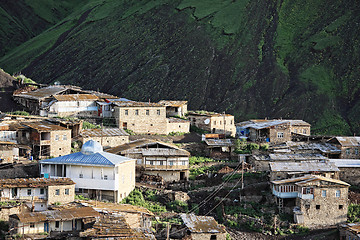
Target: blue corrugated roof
(99, 158)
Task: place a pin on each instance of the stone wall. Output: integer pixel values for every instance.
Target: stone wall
(325, 211)
(215, 124)
(276, 130)
(304, 130)
(62, 146)
(61, 195)
(350, 152)
(169, 176)
(178, 126)
(350, 175)
(108, 141)
(207, 236)
(5, 212)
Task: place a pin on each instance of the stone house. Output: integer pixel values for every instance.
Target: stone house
(319, 201)
(175, 108)
(203, 227)
(349, 231)
(213, 122)
(37, 193)
(350, 146)
(349, 170)
(273, 131)
(219, 148)
(54, 222)
(46, 139)
(177, 125)
(107, 137)
(156, 158)
(284, 170)
(97, 174)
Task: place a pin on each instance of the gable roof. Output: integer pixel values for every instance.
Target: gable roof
(42, 92)
(106, 132)
(76, 97)
(349, 141)
(309, 178)
(96, 159)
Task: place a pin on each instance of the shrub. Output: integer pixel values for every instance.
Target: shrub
(136, 198)
(23, 113)
(178, 206)
(353, 213)
(81, 197)
(196, 160)
(87, 125)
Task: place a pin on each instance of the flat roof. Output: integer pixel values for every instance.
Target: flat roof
(344, 163)
(136, 104)
(172, 103)
(76, 97)
(208, 114)
(42, 92)
(106, 132)
(296, 157)
(44, 126)
(34, 182)
(303, 167)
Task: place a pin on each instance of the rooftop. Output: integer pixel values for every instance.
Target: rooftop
(106, 132)
(208, 114)
(76, 97)
(176, 120)
(34, 182)
(296, 157)
(136, 104)
(114, 207)
(219, 142)
(349, 141)
(352, 227)
(346, 163)
(42, 92)
(265, 123)
(303, 167)
(309, 178)
(172, 103)
(44, 126)
(201, 224)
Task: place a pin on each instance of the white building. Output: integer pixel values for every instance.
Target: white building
(97, 174)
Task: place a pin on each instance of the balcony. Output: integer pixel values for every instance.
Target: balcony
(306, 196)
(285, 194)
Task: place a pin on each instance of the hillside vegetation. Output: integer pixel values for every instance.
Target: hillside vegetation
(290, 59)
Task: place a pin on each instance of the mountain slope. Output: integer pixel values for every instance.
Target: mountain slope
(291, 59)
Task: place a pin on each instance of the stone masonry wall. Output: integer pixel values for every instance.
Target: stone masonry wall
(62, 197)
(62, 146)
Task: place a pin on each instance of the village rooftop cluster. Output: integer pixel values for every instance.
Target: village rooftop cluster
(309, 176)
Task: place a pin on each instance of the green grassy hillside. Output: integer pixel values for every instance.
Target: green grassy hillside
(290, 59)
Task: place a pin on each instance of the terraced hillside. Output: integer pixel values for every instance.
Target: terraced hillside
(290, 59)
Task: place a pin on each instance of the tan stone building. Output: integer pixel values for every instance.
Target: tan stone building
(319, 201)
(175, 108)
(156, 158)
(203, 227)
(38, 193)
(176, 125)
(47, 140)
(213, 122)
(107, 137)
(350, 146)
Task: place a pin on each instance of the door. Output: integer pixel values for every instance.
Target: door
(182, 175)
(124, 125)
(46, 227)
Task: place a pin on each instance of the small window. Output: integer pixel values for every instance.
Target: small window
(161, 163)
(29, 192)
(171, 163)
(323, 193)
(57, 224)
(57, 138)
(348, 151)
(126, 112)
(183, 162)
(304, 131)
(214, 122)
(220, 123)
(64, 137)
(136, 112)
(158, 112)
(42, 191)
(151, 162)
(147, 112)
(57, 192)
(32, 225)
(356, 151)
(105, 177)
(213, 237)
(231, 122)
(317, 206)
(295, 131)
(224, 122)
(60, 149)
(81, 175)
(340, 207)
(280, 135)
(337, 193)
(67, 191)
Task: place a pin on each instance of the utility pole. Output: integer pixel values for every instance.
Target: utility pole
(168, 231)
(224, 127)
(242, 174)
(102, 126)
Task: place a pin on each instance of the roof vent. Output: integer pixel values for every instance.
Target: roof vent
(91, 147)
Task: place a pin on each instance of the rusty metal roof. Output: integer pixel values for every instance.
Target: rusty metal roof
(201, 224)
(106, 132)
(114, 207)
(349, 141)
(303, 167)
(44, 126)
(34, 182)
(76, 97)
(307, 179)
(136, 104)
(172, 103)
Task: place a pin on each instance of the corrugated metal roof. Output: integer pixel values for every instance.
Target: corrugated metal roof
(99, 158)
(219, 142)
(106, 132)
(323, 147)
(296, 157)
(159, 152)
(208, 114)
(303, 167)
(352, 227)
(136, 104)
(34, 182)
(264, 123)
(44, 126)
(172, 103)
(353, 163)
(201, 224)
(114, 207)
(43, 92)
(308, 178)
(349, 141)
(76, 97)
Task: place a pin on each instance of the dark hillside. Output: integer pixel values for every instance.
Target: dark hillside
(290, 59)
(6, 91)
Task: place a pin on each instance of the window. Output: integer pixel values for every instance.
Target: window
(147, 112)
(67, 191)
(183, 162)
(280, 135)
(171, 163)
(81, 175)
(340, 206)
(220, 123)
(295, 131)
(126, 112)
(318, 207)
(57, 224)
(356, 151)
(224, 122)
(348, 151)
(57, 138)
(57, 192)
(32, 225)
(308, 190)
(214, 122)
(42, 191)
(230, 121)
(337, 193)
(304, 131)
(158, 112)
(29, 192)
(213, 237)
(323, 193)
(136, 112)
(161, 162)
(64, 137)
(151, 162)
(105, 177)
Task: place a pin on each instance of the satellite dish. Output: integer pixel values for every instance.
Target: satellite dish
(207, 121)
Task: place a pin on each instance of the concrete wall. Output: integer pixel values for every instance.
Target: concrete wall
(74, 108)
(329, 212)
(125, 179)
(169, 176)
(153, 123)
(183, 126)
(108, 141)
(27, 229)
(64, 196)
